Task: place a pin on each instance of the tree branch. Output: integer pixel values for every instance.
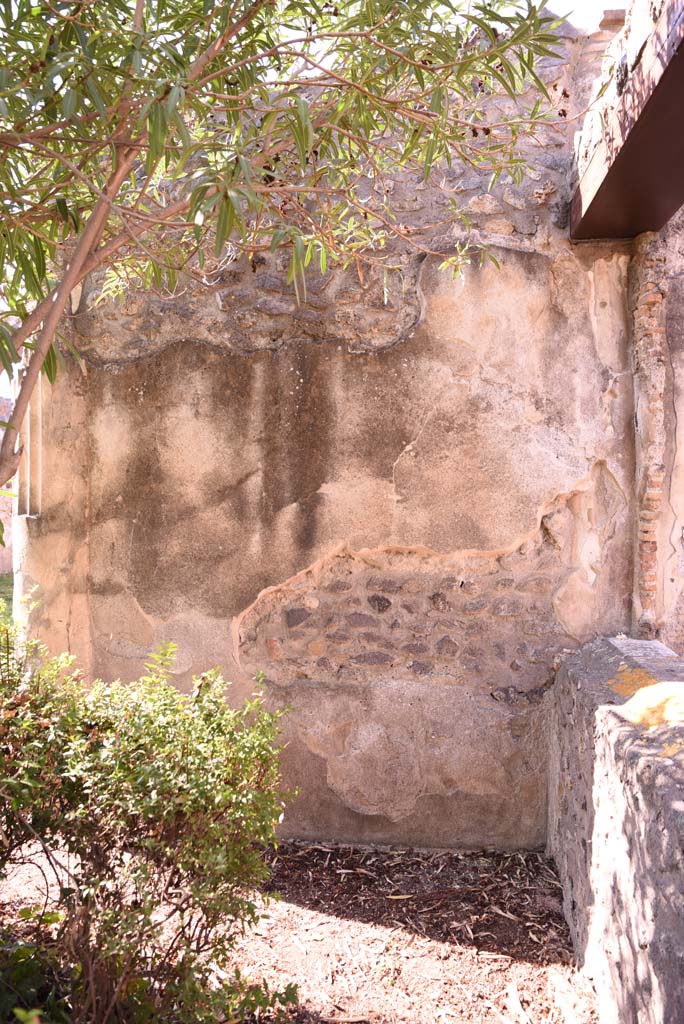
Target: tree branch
(53, 310)
(215, 48)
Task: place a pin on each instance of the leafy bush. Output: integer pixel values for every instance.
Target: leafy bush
(31, 977)
(152, 809)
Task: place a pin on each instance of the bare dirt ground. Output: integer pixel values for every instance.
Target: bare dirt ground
(402, 937)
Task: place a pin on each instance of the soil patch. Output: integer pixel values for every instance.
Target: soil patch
(406, 937)
(401, 937)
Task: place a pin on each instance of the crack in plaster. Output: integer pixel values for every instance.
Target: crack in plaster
(408, 447)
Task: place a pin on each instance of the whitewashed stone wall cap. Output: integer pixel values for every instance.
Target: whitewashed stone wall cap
(612, 670)
(642, 648)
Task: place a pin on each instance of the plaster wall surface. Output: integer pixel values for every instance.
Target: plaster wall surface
(403, 505)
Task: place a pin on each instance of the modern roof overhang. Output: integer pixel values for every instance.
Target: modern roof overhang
(634, 181)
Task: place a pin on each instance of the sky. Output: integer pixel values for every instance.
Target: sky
(584, 14)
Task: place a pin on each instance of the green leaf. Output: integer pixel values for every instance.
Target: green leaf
(7, 342)
(26, 268)
(180, 124)
(49, 367)
(156, 129)
(224, 224)
(70, 101)
(62, 208)
(96, 96)
(302, 130)
(174, 99)
(39, 258)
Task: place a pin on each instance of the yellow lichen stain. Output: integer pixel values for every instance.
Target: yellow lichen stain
(629, 681)
(673, 749)
(655, 705)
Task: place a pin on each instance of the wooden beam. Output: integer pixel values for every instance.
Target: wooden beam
(634, 180)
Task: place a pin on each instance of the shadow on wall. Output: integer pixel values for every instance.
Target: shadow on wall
(647, 881)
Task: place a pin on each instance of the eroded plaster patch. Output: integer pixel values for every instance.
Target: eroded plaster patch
(414, 674)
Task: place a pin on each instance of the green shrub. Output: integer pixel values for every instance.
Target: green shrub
(152, 809)
(31, 977)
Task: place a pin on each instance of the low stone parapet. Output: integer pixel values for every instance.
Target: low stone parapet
(616, 823)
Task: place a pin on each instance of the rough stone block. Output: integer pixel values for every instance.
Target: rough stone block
(616, 823)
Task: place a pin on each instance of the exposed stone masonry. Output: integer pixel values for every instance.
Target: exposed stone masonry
(391, 661)
(414, 679)
(650, 381)
(247, 306)
(456, 621)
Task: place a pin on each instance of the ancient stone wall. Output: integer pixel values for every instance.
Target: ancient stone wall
(616, 823)
(656, 273)
(404, 501)
(655, 300)
(671, 540)
(652, 389)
